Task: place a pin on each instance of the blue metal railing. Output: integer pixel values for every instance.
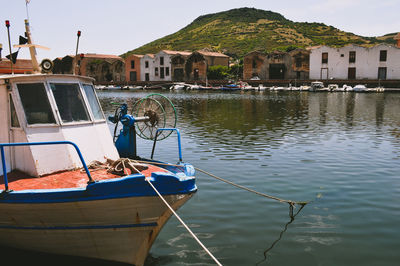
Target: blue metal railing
(179, 141)
(3, 160)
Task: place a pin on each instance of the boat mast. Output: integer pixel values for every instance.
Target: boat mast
(32, 48)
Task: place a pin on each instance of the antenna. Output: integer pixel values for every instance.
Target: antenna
(76, 51)
(9, 45)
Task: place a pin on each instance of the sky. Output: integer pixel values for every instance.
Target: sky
(117, 26)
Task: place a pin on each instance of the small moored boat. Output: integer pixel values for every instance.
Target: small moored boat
(51, 201)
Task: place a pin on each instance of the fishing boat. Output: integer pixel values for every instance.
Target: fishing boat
(230, 87)
(316, 86)
(66, 185)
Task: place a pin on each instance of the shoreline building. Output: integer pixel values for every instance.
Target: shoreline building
(147, 67)
(163, 64)
(197, 64)
(277, 65)
(132, 67)
(101, 67)
(353, 62)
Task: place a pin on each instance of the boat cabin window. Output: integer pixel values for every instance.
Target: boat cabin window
(14, 117)
(70, 102)
(35, 103)
(94, 104)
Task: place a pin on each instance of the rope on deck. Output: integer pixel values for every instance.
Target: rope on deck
(183, 223)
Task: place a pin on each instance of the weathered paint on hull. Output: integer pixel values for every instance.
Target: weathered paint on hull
(120, 230)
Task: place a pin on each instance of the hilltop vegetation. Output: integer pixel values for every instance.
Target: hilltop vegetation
(239, 31)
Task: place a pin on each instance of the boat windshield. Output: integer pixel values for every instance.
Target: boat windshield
(70, 102)
(93, 102)
(36, 104)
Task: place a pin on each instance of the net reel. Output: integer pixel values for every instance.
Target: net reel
(148, 115)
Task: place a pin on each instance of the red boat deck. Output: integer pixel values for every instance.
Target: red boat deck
(18, 180)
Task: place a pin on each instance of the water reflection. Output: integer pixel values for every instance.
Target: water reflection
(295, 145)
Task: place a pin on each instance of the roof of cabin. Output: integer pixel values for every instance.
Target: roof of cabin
(35, 76)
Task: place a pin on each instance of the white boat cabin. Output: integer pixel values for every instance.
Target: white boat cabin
(43, 108)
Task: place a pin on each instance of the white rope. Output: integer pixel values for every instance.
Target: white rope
(183, 223)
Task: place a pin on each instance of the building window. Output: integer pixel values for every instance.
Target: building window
(383, 56)
(161, 61)
(146, 64)
(167, 71)
(147, 77)
(254, 64)
(324, 58)
(156, 71)
(382, 72)
(132, 63)
(299, 62)
(352, 57)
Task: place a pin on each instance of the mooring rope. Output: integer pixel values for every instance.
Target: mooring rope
(290, 202)
(183, 223)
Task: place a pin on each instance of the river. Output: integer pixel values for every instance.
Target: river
(340, 151)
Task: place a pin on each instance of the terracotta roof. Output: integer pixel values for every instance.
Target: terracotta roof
(397, 37)
(216, 54)
(150, 55)
(176, 52)
(102, 56)
(137, 55)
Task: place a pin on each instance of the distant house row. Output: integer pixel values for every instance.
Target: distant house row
(169, 65)
(165, 65)
(323, 62)
(317, 63)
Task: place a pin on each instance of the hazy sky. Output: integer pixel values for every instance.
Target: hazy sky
(117, 26)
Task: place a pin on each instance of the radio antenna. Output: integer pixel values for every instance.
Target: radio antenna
(26, 5)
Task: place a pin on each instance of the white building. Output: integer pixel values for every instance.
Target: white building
(147, 67)
(355, 62)
(162, 64)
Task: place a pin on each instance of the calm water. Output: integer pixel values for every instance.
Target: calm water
(339, 150)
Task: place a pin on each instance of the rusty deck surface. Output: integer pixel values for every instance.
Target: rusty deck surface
(18, 180)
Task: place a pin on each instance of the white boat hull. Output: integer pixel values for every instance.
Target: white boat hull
(120, 229)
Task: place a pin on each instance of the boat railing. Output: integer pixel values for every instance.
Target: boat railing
(179, 141)
(3, 160)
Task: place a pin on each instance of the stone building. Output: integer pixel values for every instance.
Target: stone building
(198, 62)
(101, 67)
(276, 65)
(178, 62)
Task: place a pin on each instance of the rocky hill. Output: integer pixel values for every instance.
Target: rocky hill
(239, 31)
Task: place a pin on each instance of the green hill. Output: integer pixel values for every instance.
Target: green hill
(239, 31)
